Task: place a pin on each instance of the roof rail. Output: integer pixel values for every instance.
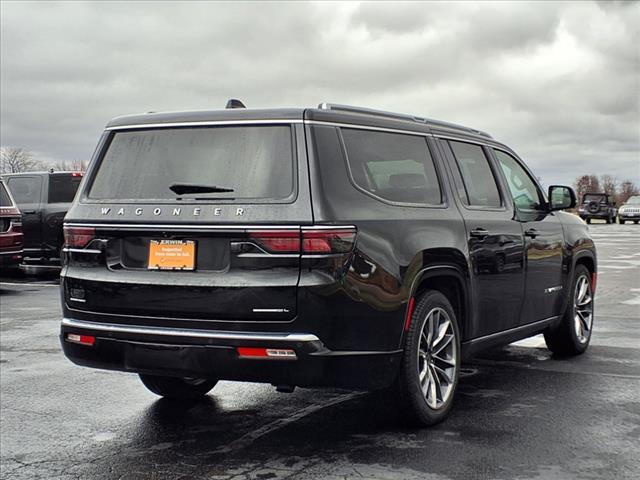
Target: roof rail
(400, 116)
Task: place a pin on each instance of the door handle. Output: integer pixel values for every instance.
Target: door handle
(532, 232)
(29, 211)
(480, 233)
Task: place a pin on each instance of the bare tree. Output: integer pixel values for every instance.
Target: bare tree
(14, 160)
(627, 189)
(609, 186)
(67, 165)
(586, 184)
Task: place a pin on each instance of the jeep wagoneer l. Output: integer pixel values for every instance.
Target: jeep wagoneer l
(316, 247)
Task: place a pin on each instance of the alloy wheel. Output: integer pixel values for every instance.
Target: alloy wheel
(437, 358)
(583, 309)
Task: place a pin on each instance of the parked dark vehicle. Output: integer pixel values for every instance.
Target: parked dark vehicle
(630, 211)
(597, 205)
(43, 198)
(334, 246)
(10, 230)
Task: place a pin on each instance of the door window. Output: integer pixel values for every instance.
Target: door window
(525, 193)
(62, 188)
(25, 189)
(480, 187)
(392, 166)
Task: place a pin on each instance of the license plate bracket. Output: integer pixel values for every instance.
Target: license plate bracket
(172, 255)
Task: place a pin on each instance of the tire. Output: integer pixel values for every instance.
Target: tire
(635, 222)
(419, 358)
(573, 334)
(177, 388)
(621, 221)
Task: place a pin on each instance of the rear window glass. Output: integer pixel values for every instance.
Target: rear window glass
(595, 198)
(256, 162)
(25, 189)
(392, 166)
(62, 188)
(5, 200)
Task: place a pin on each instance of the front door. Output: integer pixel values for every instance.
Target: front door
(543, 241)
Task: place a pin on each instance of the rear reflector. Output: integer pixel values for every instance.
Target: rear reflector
(594, 282)
(407, 320)
(78, 237)
(251, 352)
(311, 240)
(81, 339)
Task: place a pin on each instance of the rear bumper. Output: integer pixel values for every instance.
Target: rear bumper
(10, 258)
(213, 354)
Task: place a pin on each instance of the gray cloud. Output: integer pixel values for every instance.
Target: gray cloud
(559, 82)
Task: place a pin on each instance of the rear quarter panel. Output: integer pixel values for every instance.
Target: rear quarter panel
(364, 308)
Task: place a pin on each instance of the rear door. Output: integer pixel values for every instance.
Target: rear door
(27, 192)
(494, 238)
(199, 224)
(543, 241)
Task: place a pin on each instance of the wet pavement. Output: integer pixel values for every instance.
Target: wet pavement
(519, 413)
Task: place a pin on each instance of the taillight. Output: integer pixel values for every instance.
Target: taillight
(312, 240)
(277, 241)
(78, 237)
(318, 241)
(16, 226)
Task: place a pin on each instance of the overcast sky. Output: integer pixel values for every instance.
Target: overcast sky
(558, 82)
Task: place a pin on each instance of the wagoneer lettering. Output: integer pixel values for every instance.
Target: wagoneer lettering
(320, 247)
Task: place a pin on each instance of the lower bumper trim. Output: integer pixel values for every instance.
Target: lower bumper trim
(183, 332)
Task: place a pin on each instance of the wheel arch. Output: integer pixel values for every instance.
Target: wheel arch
(452, 282)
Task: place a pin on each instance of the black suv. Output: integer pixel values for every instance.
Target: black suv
(333, 246)
(43, 199)
(597, 205)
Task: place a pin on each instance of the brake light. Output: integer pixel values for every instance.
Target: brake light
(312, 240)
(76, 174)
(78, 237)
(339, 240)
(278, 241)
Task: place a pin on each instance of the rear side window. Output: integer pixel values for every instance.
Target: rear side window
(5, 200)
(253, 162)
(480, 187)
(25, 189)
(63, 188)
(392, 166)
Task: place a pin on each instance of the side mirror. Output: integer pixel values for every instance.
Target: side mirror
(561, 197)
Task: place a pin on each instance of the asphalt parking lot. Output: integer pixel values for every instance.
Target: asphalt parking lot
(519, 414)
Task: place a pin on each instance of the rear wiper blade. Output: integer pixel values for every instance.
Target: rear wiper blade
(182, 188)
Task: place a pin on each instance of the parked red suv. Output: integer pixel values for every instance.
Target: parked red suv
(10, 230)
